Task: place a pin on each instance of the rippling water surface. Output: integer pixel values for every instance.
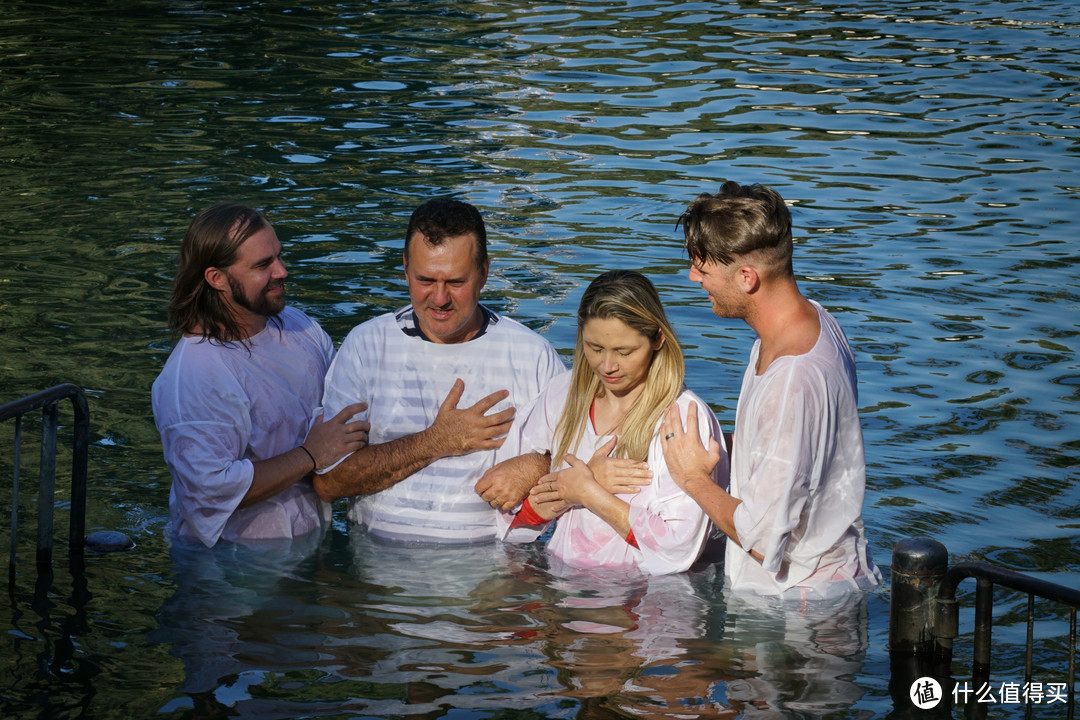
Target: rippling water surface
(929, 153)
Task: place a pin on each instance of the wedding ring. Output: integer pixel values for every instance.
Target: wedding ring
(669, 436)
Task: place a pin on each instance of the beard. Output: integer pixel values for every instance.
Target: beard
(261, 304)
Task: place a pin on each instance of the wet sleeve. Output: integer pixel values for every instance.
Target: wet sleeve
(672, 529)
(521, 526)
(531, 432)
(774, 496)
(205, 437)
(533, 428)
(549, 366)
(344, 385)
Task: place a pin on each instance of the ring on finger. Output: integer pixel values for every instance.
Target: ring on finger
(669, 436)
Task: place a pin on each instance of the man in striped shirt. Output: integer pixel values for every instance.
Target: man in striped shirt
(442, 378)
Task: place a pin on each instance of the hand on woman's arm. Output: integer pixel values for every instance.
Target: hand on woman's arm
(507, 484)
(691, 465)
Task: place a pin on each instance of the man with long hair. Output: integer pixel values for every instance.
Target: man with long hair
(235, 399)
(414, 367)
(793, 513)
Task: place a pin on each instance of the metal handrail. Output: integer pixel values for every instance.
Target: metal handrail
(48, 400)
(946, 620)
(987, 575)
(924, 618)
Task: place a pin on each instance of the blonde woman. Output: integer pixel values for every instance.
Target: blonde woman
(628, 367)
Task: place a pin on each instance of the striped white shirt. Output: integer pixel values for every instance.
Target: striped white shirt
(404, 379)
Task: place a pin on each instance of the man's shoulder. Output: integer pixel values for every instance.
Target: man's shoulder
(295, 317)
(526, 348)
(194, 350)
(196, 367)
(297, 323)
(378, 325)
(504, 324)
(832, 351)
(814, 378)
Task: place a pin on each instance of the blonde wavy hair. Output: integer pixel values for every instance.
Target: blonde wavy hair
(631, 298)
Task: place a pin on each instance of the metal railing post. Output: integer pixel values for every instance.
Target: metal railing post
(46, 484)
(48, 400)
(79, 463)
(918, 564)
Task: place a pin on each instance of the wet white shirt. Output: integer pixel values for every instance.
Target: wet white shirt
(798, 467)
(404, 378)
(669, 526)
(220, 408)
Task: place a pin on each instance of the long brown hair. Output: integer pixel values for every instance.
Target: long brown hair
(630, 297)
(212, 240)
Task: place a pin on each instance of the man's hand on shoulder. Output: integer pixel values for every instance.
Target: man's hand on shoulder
(689, 462)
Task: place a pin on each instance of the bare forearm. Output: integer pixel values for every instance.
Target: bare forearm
(377, 467)
(717, 504)
(524, 471)
(276, 475)
(610, 509)
(616, 513)
(507, 484)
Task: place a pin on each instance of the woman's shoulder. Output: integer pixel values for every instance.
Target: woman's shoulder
(687, 397)
(558, 385)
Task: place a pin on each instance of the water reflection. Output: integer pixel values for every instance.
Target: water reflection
(799, 660)
(228, 609)
(393, 630)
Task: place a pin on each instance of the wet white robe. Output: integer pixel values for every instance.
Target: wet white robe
(220, 408)
(668, 525)
(798, 467)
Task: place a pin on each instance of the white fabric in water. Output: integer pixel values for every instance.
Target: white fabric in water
(221, 408)
(669, 526)
(404, 378)
(798, 467)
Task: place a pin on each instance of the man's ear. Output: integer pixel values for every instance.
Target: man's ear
(216, 278)
(748, 279)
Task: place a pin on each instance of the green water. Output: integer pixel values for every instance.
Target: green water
(930, 155)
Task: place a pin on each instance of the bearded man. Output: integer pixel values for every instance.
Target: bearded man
(237, 401)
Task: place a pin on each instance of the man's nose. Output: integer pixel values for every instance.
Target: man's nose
(278, 271)
(440, 295)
